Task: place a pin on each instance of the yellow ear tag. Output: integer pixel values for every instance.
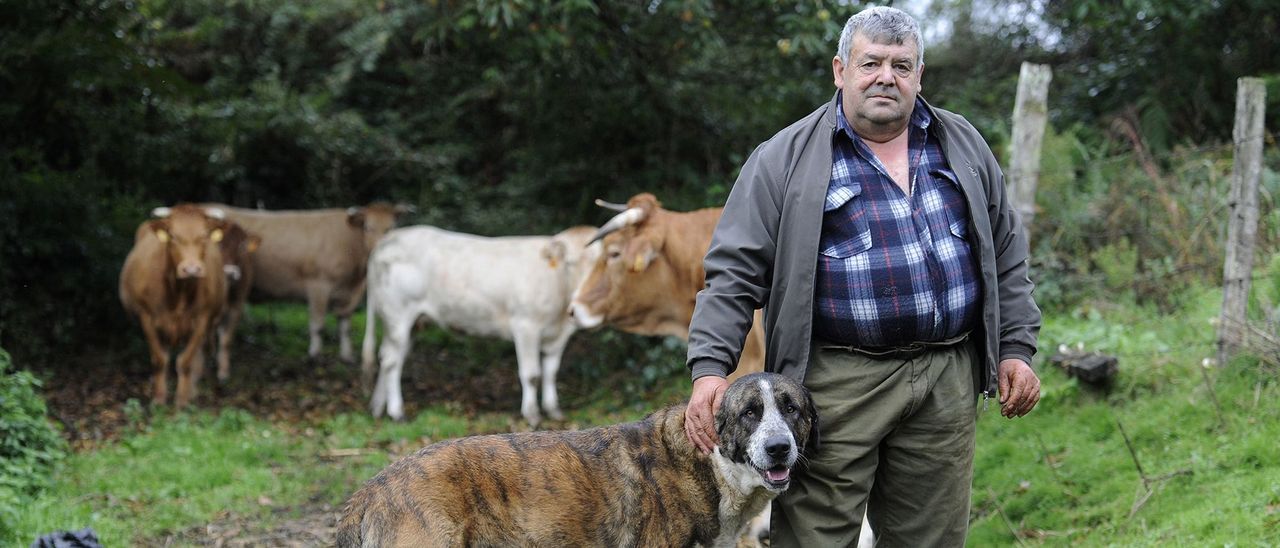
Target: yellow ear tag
(553, 262)
(252, 246)
(163, 236)
(216, 235)
(639, 264)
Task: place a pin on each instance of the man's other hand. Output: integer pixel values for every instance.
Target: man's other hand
(1019, 388)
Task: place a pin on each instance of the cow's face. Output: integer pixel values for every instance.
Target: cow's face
(189, 234)
(630, 285)
(374, 220)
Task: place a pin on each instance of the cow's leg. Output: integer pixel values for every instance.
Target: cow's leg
(396, 339)
(317, 304)
(551, 354)
(344, 339)
(344, 312)
(159, 360)
(190, 365)
(526, 336)
(226, 332)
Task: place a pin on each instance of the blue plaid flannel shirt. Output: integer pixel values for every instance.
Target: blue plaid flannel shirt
(892, 268)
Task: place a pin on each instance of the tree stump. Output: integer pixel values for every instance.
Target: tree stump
(1094, 368)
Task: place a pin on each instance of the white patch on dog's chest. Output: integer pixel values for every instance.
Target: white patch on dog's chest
(743, 495)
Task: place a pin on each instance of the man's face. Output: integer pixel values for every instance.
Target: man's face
(879, 84)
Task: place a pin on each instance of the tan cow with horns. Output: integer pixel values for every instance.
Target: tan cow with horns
(650, 272)
(173, 281)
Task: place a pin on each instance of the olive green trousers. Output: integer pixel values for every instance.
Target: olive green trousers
(897, 439)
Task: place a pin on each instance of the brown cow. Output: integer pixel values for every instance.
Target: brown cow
(172, 281)
(650, 273)
(238, 247)
(318, 256)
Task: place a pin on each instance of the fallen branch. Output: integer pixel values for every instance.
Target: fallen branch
(351, 452)
(999, 510)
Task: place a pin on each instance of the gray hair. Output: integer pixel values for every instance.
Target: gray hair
(882, 24)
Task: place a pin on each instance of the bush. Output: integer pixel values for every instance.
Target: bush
(29, 446)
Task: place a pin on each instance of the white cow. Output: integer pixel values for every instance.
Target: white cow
(517, 288)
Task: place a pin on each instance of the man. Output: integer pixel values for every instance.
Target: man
(877, 235)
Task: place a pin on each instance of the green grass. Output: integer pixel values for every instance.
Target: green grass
(1064, 475)
(1061, 476)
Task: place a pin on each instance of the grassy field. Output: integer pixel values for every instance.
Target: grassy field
(244, 470)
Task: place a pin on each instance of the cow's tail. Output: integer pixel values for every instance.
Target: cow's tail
(368, 359)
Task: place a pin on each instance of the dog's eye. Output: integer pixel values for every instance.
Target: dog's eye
(791, 409)
(750, 413)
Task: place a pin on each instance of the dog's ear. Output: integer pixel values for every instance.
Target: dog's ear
(720, 421)
(813, 443)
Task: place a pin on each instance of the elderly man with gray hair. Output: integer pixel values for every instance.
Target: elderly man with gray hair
(877, 235)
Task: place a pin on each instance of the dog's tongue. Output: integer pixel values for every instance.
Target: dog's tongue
(778, 474)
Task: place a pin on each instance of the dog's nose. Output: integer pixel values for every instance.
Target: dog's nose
(778, 447)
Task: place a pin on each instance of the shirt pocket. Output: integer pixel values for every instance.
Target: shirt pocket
(953, 203)
(845, 231)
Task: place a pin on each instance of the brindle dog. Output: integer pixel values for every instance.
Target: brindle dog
(633, 484)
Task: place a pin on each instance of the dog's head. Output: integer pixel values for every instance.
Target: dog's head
(765, 420)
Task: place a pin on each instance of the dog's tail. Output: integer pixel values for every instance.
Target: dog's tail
(361, 525)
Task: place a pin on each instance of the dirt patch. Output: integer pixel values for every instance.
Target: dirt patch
(316, 526)
(90, 396)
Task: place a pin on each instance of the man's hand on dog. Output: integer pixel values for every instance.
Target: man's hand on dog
(700, 415)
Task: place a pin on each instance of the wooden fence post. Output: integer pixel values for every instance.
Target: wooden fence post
(1029, 116)
(1242, 223)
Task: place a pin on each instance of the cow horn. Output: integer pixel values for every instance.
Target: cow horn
(215, 213)
(161, 212)
(622, 220)
(611, 205)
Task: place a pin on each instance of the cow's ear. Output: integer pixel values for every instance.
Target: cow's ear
(355, 217)
(160, 229)
(640, 255)
(554, 252)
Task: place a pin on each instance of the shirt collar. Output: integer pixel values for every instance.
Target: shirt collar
(921, 118)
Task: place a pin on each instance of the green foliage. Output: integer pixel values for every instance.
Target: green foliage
(29, 446)
(1118, 262)
(1169, 60)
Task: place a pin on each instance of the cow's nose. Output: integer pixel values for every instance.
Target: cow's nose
(192, 270)
(777, 447)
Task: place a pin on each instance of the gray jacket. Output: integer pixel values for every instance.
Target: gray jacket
(764, 252)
